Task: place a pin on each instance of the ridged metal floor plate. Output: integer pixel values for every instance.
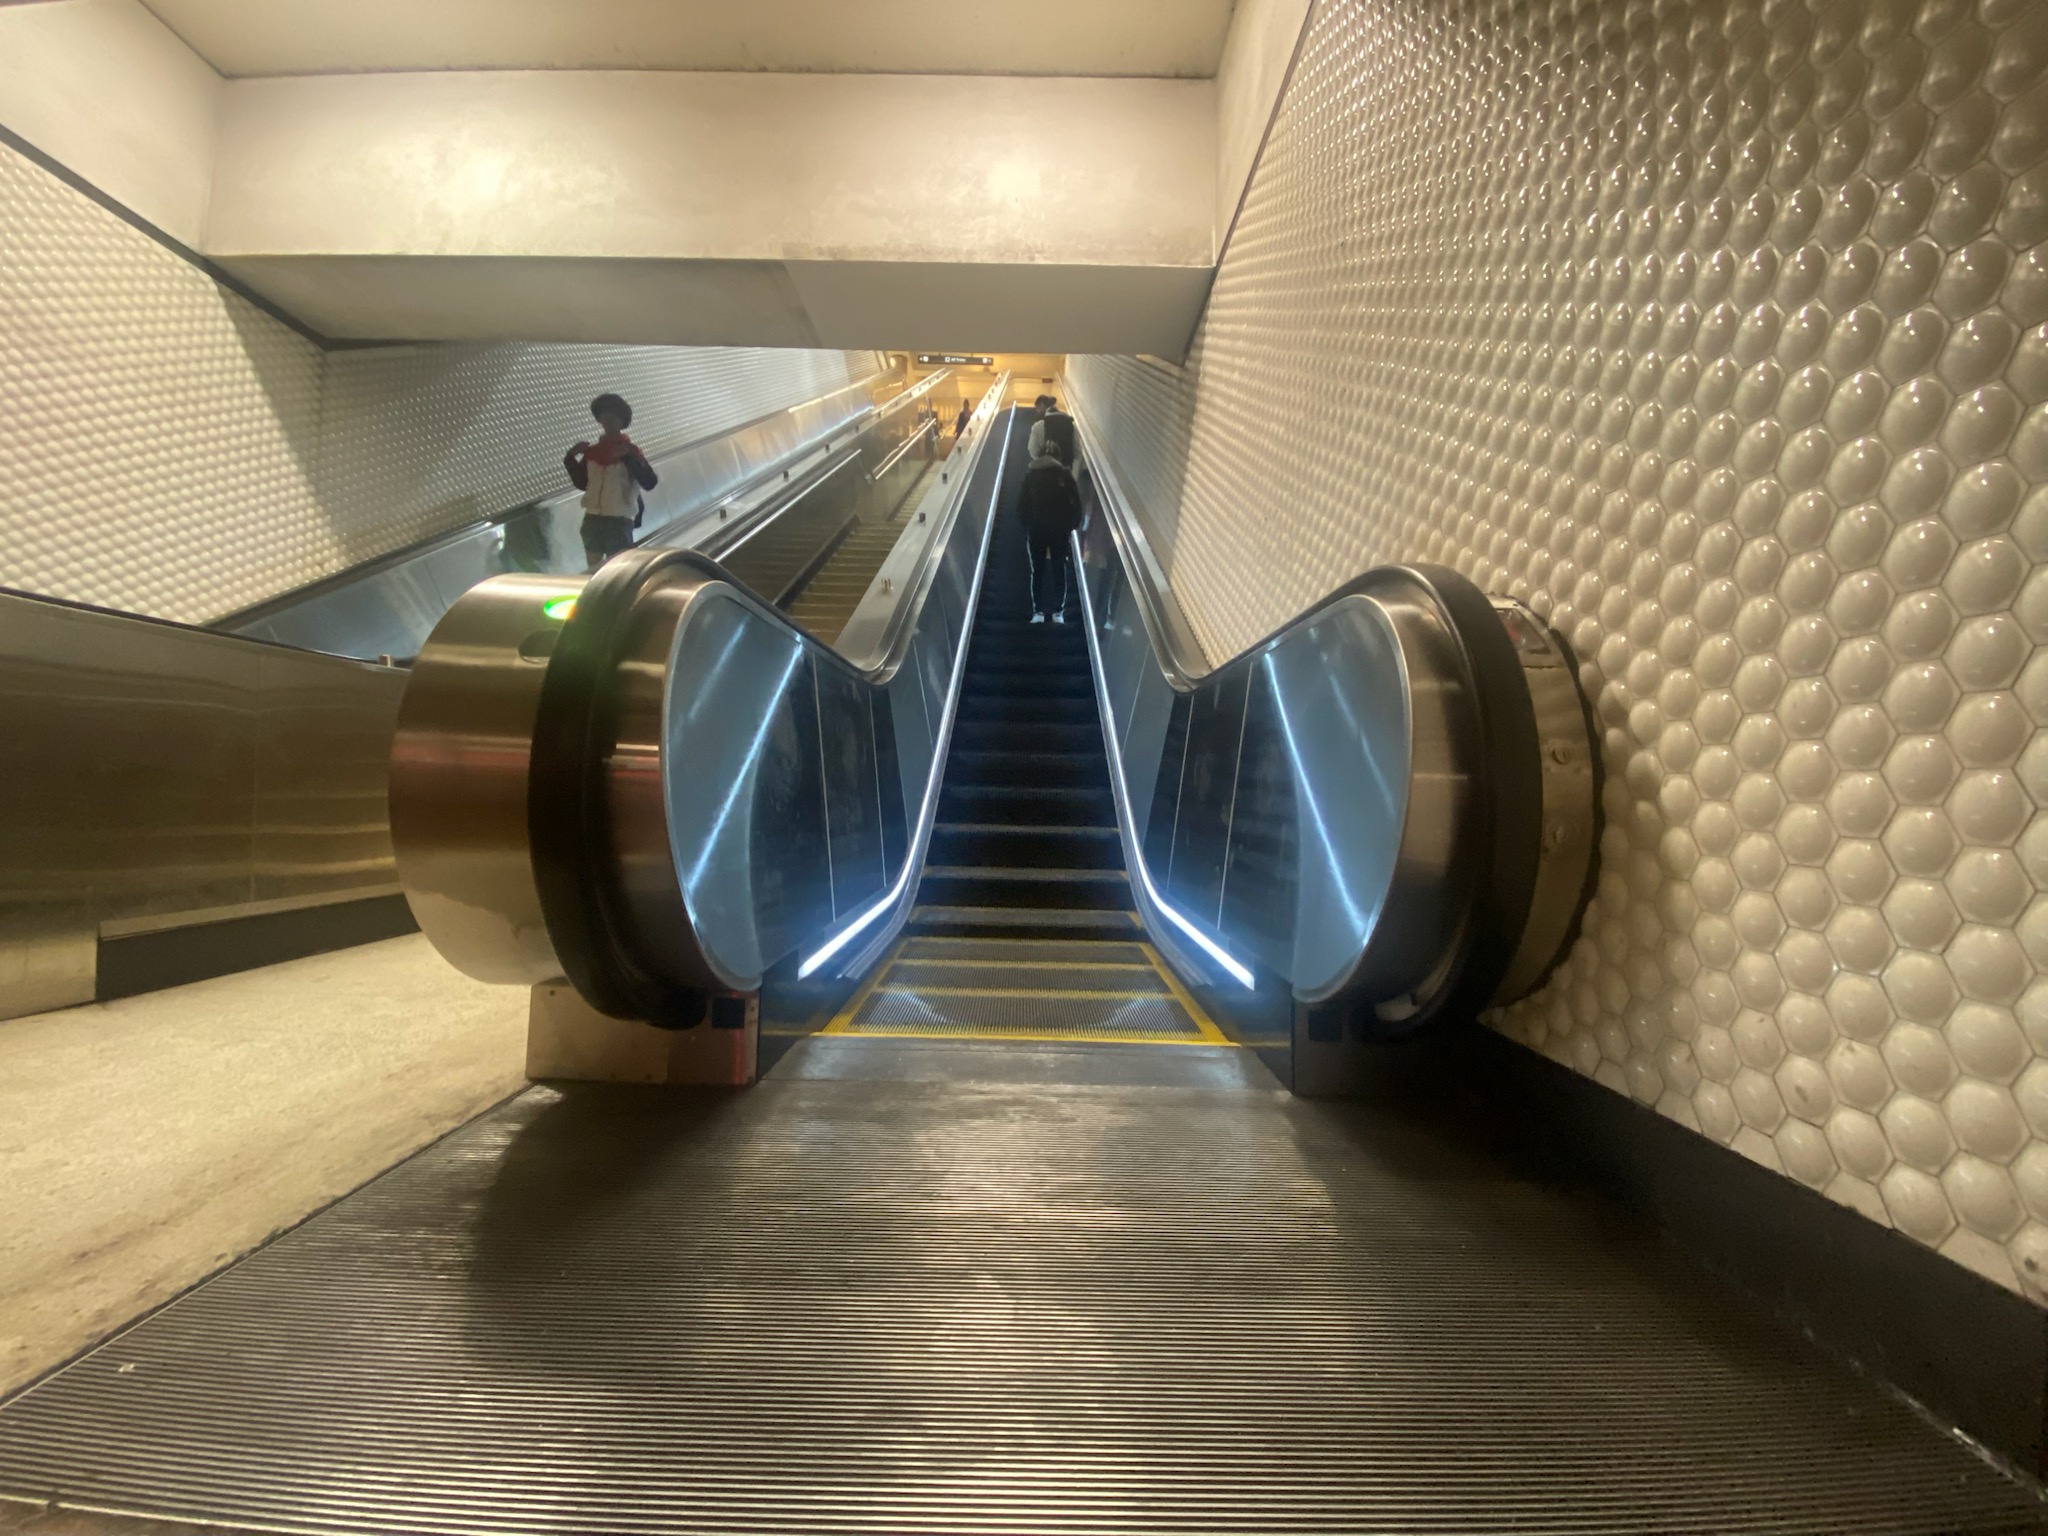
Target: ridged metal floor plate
(848, 1306)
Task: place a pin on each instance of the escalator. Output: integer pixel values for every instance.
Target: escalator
(1025, 1234)
(833, 584)
(824, 603)
(1026, 842)
(1024, 928)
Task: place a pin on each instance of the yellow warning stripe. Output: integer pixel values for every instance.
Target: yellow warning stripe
(844, 1018)
(843, 1021)
(1202, 1020)
(1031, 1037)
(1034, 994)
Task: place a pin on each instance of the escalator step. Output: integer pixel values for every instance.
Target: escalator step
(1028, 736)
(1065, 769)
(1034, 951)
(946, 975)
(1010, 844)
(1023, 922)
(1029, 804)
(1150, 1020)
(1064, 708)
(1053, 846)
(1095, 890)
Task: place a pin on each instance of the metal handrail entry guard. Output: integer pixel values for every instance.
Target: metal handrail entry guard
(1460, 889)
(535, 797)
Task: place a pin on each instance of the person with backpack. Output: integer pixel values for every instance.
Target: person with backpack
(1054, 426)
(1049, 503)
(611, 473)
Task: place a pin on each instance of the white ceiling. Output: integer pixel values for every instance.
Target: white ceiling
(978, 37)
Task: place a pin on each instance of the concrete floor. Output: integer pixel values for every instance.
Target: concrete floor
(146, 1142)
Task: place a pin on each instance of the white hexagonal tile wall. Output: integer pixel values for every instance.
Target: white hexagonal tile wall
(1719, 335)
(170, 449)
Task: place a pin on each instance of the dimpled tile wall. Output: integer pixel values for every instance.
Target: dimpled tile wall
(156, 432)
(168, 448)
(1715, 331)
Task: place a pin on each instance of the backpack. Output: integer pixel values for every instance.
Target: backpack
(1059, 435)
(609, 490)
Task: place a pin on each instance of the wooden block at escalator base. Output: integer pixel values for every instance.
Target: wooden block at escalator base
(568, 1040)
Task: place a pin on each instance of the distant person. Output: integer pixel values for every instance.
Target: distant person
(1050, 504)
(1054, 429)
(611, 473)
(960, 422)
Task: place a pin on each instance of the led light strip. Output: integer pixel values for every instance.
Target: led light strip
(927, 811)
(1134, 847)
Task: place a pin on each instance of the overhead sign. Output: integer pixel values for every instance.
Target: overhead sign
(952, 360)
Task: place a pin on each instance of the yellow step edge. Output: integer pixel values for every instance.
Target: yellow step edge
(1035, 994)
(1077, 1037)
(1202, 1020)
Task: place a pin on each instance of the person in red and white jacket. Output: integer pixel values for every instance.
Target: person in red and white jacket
(611, 473)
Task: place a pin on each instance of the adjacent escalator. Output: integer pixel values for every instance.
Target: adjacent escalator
(824, 603)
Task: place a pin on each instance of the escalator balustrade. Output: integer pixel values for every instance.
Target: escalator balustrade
(1384, 814)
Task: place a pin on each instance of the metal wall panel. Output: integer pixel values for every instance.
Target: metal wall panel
(388, 607)
(167, 448)
(1715, 332)
(151, 771)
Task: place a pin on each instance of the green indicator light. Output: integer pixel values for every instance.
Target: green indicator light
(560, 608)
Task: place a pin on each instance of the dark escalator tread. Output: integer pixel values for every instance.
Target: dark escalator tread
(1041, 658)
(1153, 1019)
(1035, 737)
(1063, 769)
(1028, 804)
(1027, 842)
(945, 976)
(1044, 951)
(1096, 890)
(1055, 707)
(1010, 843)
(1023, 922)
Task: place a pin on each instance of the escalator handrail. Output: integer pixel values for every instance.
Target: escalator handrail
(1174, 645)
(884, 918)
(722, 542)
(902, 624)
